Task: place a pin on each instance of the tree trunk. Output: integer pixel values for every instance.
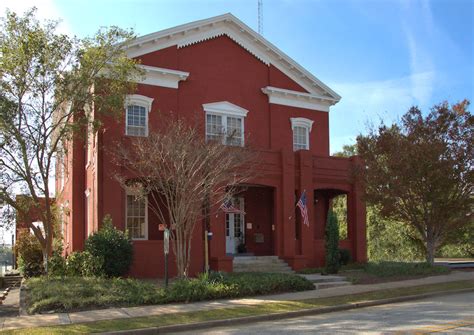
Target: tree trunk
(430, 251)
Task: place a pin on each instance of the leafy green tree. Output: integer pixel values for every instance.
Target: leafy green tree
(332, 244)
(420, 172)
(48, 85)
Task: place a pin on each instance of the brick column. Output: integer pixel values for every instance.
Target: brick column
(286, 194)
(306, 183)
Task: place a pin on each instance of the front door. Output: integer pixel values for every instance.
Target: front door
(234, 227)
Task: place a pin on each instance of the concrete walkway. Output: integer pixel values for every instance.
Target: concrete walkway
(122, 313)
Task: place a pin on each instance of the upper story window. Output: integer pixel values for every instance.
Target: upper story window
(136, 115)
(225, 123)
(301, 129)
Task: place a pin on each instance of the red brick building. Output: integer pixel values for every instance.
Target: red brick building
(223, 73)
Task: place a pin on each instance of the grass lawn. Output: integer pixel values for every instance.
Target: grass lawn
(379, 272)
(236, 312)
(77, 293)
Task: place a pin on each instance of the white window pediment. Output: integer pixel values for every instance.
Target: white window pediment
(301, 122)
(140, 100)
(225, 107)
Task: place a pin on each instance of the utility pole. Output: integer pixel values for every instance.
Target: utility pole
(260, 17)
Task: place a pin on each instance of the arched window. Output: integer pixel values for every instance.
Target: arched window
(136, 115)
(301, 129)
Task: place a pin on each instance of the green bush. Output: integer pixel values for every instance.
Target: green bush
(332, 244)
(79, 293)
(30, 255)
(113, 247)
(393, 269)
(84, 264)
(344, 256)
(57, 264)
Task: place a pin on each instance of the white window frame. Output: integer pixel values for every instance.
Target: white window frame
(303, 123)
(142, 101)
(225, 109)
(128, 193)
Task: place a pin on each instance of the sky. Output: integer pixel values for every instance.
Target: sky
(381, 56)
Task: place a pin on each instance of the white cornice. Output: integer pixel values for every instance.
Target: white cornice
(225, 107)
(158, 76)
(229, 25)
(281, 96)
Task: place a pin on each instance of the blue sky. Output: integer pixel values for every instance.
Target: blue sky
(381, 56)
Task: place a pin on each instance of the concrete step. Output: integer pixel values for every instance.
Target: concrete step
(317, 278)
(250, 259)
(320, 286)
(12, 281)
(260, 264)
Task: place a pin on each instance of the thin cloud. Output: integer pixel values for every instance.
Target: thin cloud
(47, 10)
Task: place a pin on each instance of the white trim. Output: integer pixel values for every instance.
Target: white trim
(301, 122)
(146, 218)
(158, 76)
(225, 108)
(229, 25)
(138, 100)
(291, 98)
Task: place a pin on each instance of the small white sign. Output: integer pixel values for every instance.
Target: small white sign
(249, 225)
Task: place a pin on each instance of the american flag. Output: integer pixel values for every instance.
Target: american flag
(227, 207)
(301, 204)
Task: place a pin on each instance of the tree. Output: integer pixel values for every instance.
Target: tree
(183, 176)
(420, 172)
(49, 83)
(332, 244)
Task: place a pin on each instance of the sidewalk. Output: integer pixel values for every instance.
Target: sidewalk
(39, 320)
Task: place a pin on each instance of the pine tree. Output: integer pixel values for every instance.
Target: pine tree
(332, 244)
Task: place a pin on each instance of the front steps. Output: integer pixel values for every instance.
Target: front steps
(260, 264)
(326, 281)
(12, 281)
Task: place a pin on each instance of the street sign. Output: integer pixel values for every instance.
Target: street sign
(166, 241)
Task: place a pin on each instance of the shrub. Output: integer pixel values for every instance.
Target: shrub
(113, 247)
(344, 256)
(57, 264)
(332, 244)
(78, 293)
(393, 269)
(30, 255)
(84, 264)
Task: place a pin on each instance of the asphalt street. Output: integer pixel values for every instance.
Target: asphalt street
(452, 314)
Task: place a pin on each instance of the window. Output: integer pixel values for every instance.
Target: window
(225, 123)
(137, 217)
(136, 115)
(301, 129)
(300, 138)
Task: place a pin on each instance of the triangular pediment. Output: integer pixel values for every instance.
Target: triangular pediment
(225, 107)
(228, 25)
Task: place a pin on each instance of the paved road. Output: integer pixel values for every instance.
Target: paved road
(447, 314)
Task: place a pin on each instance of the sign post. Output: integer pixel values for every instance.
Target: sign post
(166, 249)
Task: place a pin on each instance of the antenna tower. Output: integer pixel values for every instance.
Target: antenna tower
(260, 17)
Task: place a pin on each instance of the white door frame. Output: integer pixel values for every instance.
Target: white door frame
(231, 240)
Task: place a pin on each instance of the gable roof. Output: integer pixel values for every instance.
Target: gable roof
(230, 26)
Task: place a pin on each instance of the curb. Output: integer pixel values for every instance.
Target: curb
(279, 316)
